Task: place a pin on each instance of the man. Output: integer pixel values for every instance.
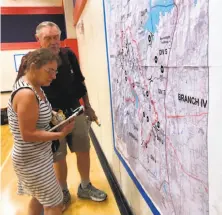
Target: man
(64, 93)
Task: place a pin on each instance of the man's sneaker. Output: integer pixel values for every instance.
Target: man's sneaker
(66, 199)
(90, 192)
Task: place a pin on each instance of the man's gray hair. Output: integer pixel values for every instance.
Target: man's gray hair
(46, 24)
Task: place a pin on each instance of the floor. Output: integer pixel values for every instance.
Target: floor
(12, 204)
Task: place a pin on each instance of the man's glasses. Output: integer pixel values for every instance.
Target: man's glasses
(49, 38)
(51, 71)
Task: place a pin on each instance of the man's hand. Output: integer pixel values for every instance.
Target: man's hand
(90, 113)
(88, 110)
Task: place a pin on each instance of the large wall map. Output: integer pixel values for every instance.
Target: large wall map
(158, 66)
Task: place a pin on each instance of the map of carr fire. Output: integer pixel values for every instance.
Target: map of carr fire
(158, 67)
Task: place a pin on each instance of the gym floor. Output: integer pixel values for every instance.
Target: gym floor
(12, 204)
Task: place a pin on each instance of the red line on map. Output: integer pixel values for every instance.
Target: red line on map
(150, 96)
(167, 167)
(148, 140)
(145, 85)
(182, 167)
(130, 100)
(183, 116)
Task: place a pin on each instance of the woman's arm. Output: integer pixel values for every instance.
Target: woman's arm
(27, 108)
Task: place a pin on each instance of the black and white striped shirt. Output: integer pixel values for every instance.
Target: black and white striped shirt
(33, 161)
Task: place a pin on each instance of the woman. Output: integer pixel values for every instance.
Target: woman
(29, 114)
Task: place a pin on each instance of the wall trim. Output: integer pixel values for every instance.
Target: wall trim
(21, 46)
(120, 198)
(79, 6)
(31, 10)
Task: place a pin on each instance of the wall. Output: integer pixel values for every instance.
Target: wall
(68, 10)
(92, 53)
(215, 113)
(7, 70)
(16, 15)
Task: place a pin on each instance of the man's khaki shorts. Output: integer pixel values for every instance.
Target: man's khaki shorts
(80, 139)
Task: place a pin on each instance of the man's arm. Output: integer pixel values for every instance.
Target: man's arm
(86, 98)
(88, 109)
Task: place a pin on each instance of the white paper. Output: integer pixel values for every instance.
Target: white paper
(18, 59)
